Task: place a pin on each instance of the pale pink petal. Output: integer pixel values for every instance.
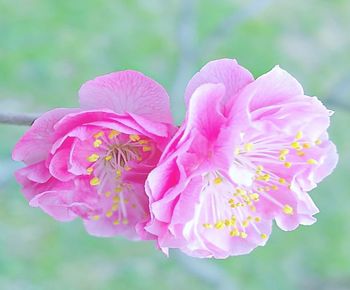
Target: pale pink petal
(275, 87)
(223, 71)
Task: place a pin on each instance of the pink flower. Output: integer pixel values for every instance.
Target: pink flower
(247, 154)
(92, 162)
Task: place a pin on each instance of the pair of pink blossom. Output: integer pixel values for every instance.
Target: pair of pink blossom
(247, 154)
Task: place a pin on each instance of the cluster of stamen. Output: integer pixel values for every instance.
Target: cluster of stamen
(114, 155)
(242, 200)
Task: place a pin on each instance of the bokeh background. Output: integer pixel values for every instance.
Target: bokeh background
(49, 48)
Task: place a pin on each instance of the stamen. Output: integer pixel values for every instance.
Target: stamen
(299, 135)
(217, 180)
(98, 135)
(97, 143)
(113, 134)
(312, 161)
(287, 209)
(146, 148)
(263, 236)
(95, 181)
(248, 147)
(93, 157)
(134, 137)
(287, 164)
(95, 217)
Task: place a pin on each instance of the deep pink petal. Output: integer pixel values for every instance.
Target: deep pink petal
(127, 92)
(35, 145)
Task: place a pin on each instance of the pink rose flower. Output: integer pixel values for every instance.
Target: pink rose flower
(247, 153)
(92, 162)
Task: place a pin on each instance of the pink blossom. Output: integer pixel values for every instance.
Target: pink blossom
(92, 162)
(247, 153)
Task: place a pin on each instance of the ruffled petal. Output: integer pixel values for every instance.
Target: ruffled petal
(127, 92)
(223, 71)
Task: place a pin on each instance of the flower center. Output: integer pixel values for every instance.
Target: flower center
(262, 170)
(114, 155)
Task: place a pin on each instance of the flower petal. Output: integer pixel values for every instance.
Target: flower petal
(127, 91)
(35, 145)
(225, 71)
(204, 112)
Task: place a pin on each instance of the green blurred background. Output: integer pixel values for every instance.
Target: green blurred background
(49, 48)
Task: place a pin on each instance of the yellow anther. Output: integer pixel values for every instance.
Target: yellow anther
(254, 196)
(113, 134)
(125, 221)
(245, 198)
(134, 137)
(300, 153)
(93, 157)
(287, 209)
(248, 147)
(245, 223)
(108, 194)
(295, 145)
(237, 151)
(318, 142)
(97, 143)
(118, 172)
(252, 208)
(98, 135)
(116, 199)
(261, 189)
(227, 222)
(244, 235)
(108, 157)
(266, 177)
(95, 181)
(89, 170)
(217, 180)
(249, 217)
(299, 135)
(109, 213)
(207, 226)
(116, 222)
(231, 200)
(263, 236)
(115, 207)
(274, 187)
(282, 180)
(219, 225)
(146, 148)
(240, 191)
(284, 151)
(234, 233)
(306, 145)
(282, 158)
(260, 168)
(287, 164)
(143, 142)
(312, 161)
(257, 219)
(118, 189)
(95, 217)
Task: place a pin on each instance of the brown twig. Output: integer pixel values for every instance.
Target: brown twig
(17, 119)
